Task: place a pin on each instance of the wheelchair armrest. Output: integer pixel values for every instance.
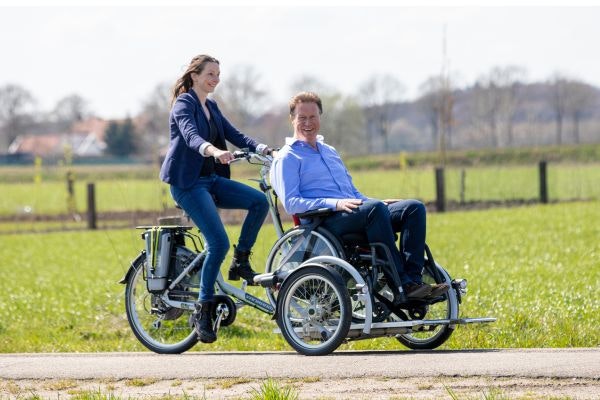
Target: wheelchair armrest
(319, 212)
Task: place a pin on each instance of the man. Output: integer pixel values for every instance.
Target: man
(308, 174)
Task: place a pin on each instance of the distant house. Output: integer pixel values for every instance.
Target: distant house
(84, 138)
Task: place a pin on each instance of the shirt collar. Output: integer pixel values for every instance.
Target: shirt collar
(291, 140)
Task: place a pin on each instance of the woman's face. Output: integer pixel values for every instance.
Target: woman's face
(208, 79)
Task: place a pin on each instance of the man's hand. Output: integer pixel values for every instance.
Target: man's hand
(390, 201)
(347, 204)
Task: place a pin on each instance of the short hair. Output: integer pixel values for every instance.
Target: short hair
(305, 97)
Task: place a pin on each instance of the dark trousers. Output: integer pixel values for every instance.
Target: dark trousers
(380, 222)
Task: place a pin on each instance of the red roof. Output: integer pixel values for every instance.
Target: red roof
(94, 125)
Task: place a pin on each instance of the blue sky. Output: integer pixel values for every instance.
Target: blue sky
(115, 55)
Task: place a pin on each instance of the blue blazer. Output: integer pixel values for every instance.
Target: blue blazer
(189, 130)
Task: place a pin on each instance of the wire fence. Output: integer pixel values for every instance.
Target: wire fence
(125, 202)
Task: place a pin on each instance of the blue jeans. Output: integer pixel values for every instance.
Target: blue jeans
(201, 202)
(380, 222)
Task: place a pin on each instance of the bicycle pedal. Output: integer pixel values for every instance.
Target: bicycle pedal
(217, 323)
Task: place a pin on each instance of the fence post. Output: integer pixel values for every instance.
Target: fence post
(543, 182)
(463, 185)
(440, 201)
(91, 203)
(71, 193)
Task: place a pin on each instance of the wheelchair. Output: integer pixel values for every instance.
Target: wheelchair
(360, 303)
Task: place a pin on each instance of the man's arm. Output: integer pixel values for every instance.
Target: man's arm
(285, 179)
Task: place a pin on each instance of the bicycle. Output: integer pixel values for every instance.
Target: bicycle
(321, 290)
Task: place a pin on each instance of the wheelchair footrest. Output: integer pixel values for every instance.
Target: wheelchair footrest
(401, 327)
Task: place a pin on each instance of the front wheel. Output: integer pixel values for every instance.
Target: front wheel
(297, 246)
(314, 310)
(159, 327)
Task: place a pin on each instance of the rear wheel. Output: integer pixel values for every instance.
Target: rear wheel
(443, 307)
(314, 310)
(158, 326)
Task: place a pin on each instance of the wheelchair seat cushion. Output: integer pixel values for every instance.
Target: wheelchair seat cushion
(355, 239)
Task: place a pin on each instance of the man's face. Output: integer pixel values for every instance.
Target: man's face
(306, 122)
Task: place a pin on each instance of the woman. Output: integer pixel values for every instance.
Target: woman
(196, 167)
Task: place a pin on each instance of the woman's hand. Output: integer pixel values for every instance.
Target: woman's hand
(222, 156)
(348, 205)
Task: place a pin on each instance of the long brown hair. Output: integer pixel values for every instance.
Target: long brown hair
(197, 65)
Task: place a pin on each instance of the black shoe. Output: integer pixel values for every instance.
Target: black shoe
(417, 290)
(203, 323)
(438, 289)
(240, 267)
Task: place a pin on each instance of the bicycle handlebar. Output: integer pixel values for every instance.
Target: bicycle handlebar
(249, 155)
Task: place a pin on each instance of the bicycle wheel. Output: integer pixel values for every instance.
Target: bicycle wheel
(159, 327)
(443, 307)
(314, 311)
(295, 247)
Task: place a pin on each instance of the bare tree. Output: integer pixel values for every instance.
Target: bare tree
(16, 105)
(495, 99)
(509, 79)
(581, 99)
(70, 109)
(378, 96)
(559, 85)
(430, 104)
(343, 123)
(437, 104)
(154, 119)
(241, 97)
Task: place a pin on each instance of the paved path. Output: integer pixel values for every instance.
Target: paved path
(527, 363)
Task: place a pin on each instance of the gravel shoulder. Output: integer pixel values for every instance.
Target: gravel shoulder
(442, 387)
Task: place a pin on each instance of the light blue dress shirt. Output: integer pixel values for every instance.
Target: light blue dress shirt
(306, 179)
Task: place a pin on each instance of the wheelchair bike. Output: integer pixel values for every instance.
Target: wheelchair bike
(354, 262)
(321, 290)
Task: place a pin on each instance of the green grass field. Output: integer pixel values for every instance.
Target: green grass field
(535, 268)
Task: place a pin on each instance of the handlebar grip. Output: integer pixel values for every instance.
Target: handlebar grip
(240, 154)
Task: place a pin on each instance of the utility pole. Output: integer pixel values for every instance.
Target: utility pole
(446, 100)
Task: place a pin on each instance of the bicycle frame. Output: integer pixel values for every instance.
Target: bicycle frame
(222, 288)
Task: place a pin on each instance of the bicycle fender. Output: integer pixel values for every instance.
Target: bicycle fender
(123, 280)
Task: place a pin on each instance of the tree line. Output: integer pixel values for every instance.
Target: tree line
(499, 109)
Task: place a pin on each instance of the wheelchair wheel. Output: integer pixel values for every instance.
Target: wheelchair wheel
(294, 247)
(159, 327)
(443, 307)
(313, 310)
